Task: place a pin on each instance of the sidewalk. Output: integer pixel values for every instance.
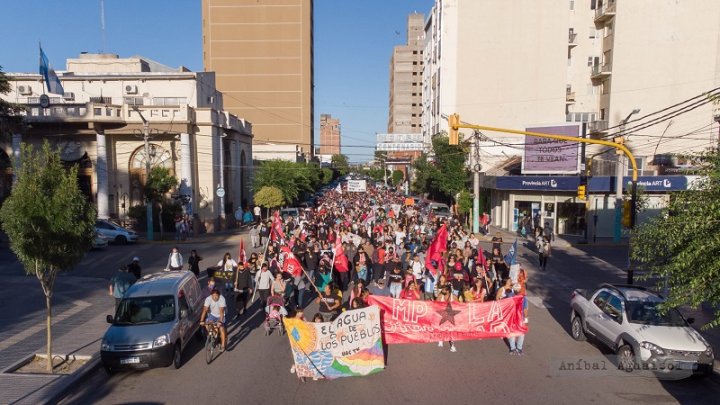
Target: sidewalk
(78, 325)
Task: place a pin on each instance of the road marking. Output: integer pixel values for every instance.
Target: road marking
(538, 302)
(27, 332)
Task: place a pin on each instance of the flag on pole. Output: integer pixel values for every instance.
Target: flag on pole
(338, 189)
(435, 251)
(242, 258)
(51, 79)
(291, 264)
(511, 256)
(277, 228)
(341, 261)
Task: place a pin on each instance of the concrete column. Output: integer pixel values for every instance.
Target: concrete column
(185, 165)
(17, 163)
(101, 170)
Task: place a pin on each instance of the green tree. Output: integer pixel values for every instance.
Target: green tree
(340, 163)
(289, 177)
(397, 177)
(465, 204)
(327, 176)
(680, 248)
(446, 175)
(49, 221)
(269, 197)
(10, 120)
(158, 183)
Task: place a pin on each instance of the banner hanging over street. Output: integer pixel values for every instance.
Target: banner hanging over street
(551, 156)
(356, 186)
(351, 345)
(407, 321)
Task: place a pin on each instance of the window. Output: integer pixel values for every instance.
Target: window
(640, 162)
(592, 33)
(572, 5)
(614, 308)
(601, 299)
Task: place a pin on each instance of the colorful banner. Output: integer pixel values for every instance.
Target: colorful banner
(407, 321)
(351, 345)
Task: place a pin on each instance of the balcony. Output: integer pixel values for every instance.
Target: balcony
(604, 12)
(572, 40)
(90, 112)
(601, 72)
(597, 127)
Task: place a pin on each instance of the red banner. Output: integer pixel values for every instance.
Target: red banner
(407, 321)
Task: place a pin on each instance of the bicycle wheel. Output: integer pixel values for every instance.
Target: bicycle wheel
(209, 348)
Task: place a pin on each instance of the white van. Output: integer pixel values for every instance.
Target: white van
(154, 322)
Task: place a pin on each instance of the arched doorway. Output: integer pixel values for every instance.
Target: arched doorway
(159, 157)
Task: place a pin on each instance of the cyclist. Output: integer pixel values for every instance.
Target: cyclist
(215, 305)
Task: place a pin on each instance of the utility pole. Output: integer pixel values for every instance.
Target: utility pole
(476, 167)
(148, 201)
(619, 180)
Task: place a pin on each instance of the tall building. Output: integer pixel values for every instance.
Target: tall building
(98, 124)
(262, 54)
(406, 67)
(329, 135)
(599, 64)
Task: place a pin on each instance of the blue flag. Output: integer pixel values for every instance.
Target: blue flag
(51, 79)
(511, 256)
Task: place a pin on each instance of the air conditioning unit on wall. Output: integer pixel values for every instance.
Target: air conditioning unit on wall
(131, 89)
(25, 90)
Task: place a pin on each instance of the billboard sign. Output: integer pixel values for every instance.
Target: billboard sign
(550, 156)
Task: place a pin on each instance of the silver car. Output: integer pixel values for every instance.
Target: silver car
(154, 322)
(114, 232)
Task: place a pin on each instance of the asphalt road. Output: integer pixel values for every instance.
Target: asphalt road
(255, 369)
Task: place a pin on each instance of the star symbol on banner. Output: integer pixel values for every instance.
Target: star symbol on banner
(448, 314)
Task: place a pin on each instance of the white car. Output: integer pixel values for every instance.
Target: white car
(99, 241)
(114, 232)
(627, 319)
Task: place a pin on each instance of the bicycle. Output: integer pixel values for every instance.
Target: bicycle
(212, 341)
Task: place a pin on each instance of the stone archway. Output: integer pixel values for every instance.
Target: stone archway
(159, 157)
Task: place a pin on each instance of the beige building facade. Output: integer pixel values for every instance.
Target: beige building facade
(262, 55)
(406, 67)
(98, 125)
(329, 135)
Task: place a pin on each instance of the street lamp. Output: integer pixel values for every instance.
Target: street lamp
(619, 182)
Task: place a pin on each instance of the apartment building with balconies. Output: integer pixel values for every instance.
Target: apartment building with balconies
(98, 125)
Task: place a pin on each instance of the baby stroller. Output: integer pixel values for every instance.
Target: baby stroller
(274, 313)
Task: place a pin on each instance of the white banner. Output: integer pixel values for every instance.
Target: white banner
(356, 186)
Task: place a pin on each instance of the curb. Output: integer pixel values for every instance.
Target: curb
(62, 388)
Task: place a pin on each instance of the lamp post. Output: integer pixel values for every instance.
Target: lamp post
(148, 202)
(619, 183)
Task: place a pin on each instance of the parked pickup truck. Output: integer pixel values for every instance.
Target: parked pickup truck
(627, 320)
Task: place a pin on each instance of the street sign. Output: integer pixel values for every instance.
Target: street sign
(220, 192)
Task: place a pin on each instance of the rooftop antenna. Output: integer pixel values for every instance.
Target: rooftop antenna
(102, 24)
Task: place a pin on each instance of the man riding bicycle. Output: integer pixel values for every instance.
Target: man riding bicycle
(215, 304)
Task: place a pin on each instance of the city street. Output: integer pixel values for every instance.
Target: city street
(255, 369)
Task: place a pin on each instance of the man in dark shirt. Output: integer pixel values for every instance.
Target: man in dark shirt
(134, 267)
(329, 303)
(497, 241)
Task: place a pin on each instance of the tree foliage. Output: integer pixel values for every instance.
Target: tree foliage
(681, 247)
(397, 177)
(290, 178)
(340, 163)
(444, 177)
(10, 118)
(269, 197)
(327, 176)
(49, 221)
(159, 182)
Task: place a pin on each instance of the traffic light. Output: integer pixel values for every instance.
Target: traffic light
(619, 140)
(626, 213)
(453, 123)
(582, 188)
(582, 192)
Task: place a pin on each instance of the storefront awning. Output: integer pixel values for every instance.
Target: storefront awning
(603, 184)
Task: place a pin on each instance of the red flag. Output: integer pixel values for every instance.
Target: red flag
(277, 228)
(341, 261)
(242, 258)
(481, 258)
(436, 249)
(291, 264)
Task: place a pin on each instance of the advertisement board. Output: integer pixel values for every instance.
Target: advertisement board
(550, 156)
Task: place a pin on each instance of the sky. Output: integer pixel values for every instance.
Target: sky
(353, 45)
